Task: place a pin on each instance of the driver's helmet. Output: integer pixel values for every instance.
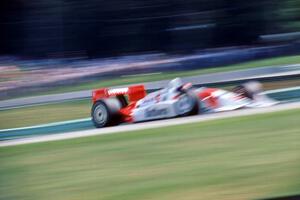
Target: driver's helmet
(175, 83)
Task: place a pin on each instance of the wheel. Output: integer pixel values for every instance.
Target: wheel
(249, 89)
(105, 112)
(122, 100)
(187, 104)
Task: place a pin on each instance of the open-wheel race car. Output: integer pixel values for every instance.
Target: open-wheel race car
(133, 104)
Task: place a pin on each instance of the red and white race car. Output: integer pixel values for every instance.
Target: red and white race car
(133, 104)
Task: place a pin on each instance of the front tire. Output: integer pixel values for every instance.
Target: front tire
(248, 89)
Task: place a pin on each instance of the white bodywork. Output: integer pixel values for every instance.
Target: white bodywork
(170, 102)
(165, 103)
(231, 101)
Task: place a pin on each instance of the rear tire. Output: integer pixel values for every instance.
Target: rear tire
(105, 112)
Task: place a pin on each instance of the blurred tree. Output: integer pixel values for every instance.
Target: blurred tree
(105, 28)
(240, 22)
(11, 26)
(289, 15)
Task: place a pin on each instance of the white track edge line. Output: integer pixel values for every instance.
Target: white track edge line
(47, 125)
(149, 125)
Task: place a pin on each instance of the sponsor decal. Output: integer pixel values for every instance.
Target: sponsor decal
(117, 91)
(155, 112)
(147, 101)
(152, 100)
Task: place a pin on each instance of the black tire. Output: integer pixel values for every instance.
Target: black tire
(196, 107)
(105, 112)
(249, 89)
(192, 98)
(122, 100)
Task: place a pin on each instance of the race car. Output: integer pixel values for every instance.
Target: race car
(133, 104)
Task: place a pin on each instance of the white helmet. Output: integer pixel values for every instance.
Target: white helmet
(175, 83)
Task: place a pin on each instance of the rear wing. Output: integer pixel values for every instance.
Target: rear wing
(134, 93)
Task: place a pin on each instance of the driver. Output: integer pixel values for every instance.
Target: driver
(175, 83)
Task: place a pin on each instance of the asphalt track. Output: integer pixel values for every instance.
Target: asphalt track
(149, 125)
(260, 73)
(289, 97)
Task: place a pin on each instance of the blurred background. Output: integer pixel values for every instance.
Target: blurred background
(66, 28)
(54, 52)
(67, 42)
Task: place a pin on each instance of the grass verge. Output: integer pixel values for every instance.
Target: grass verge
(33, 115)
(238, 158)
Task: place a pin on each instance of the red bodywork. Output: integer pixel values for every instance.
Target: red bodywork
(207, 97)
(133, 93)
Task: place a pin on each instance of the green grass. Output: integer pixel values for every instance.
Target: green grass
(42, 114)
(173, 74)
(237, 158)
